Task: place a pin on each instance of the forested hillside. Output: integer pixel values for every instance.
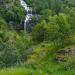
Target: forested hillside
(47, 47)
(12, 13)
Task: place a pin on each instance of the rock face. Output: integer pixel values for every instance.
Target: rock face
(1, 1)
(61, 55)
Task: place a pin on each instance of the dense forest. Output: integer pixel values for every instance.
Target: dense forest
(47, 47)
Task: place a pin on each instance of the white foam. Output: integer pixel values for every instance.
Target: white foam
(28, 14)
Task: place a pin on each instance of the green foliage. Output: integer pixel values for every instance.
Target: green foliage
(3, 24)
(55, 5)
(12, 13)
(14, 48)
(54, 30)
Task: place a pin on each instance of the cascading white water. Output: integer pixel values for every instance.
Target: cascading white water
(28, 13)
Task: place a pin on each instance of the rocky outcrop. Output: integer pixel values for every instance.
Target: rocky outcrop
(61, 55)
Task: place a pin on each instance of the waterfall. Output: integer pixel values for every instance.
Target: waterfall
(29, 14)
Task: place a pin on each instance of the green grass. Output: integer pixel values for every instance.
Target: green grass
(24, 71)
(45, 67)
(15, 71)
(21, 71)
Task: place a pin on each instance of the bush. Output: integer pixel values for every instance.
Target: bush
(14, 48)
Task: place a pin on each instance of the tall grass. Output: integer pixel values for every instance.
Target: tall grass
(25, 71)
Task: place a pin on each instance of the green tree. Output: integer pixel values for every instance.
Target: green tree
(3, 24)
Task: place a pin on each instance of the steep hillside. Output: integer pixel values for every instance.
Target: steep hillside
(13, 14)
(47, 47)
